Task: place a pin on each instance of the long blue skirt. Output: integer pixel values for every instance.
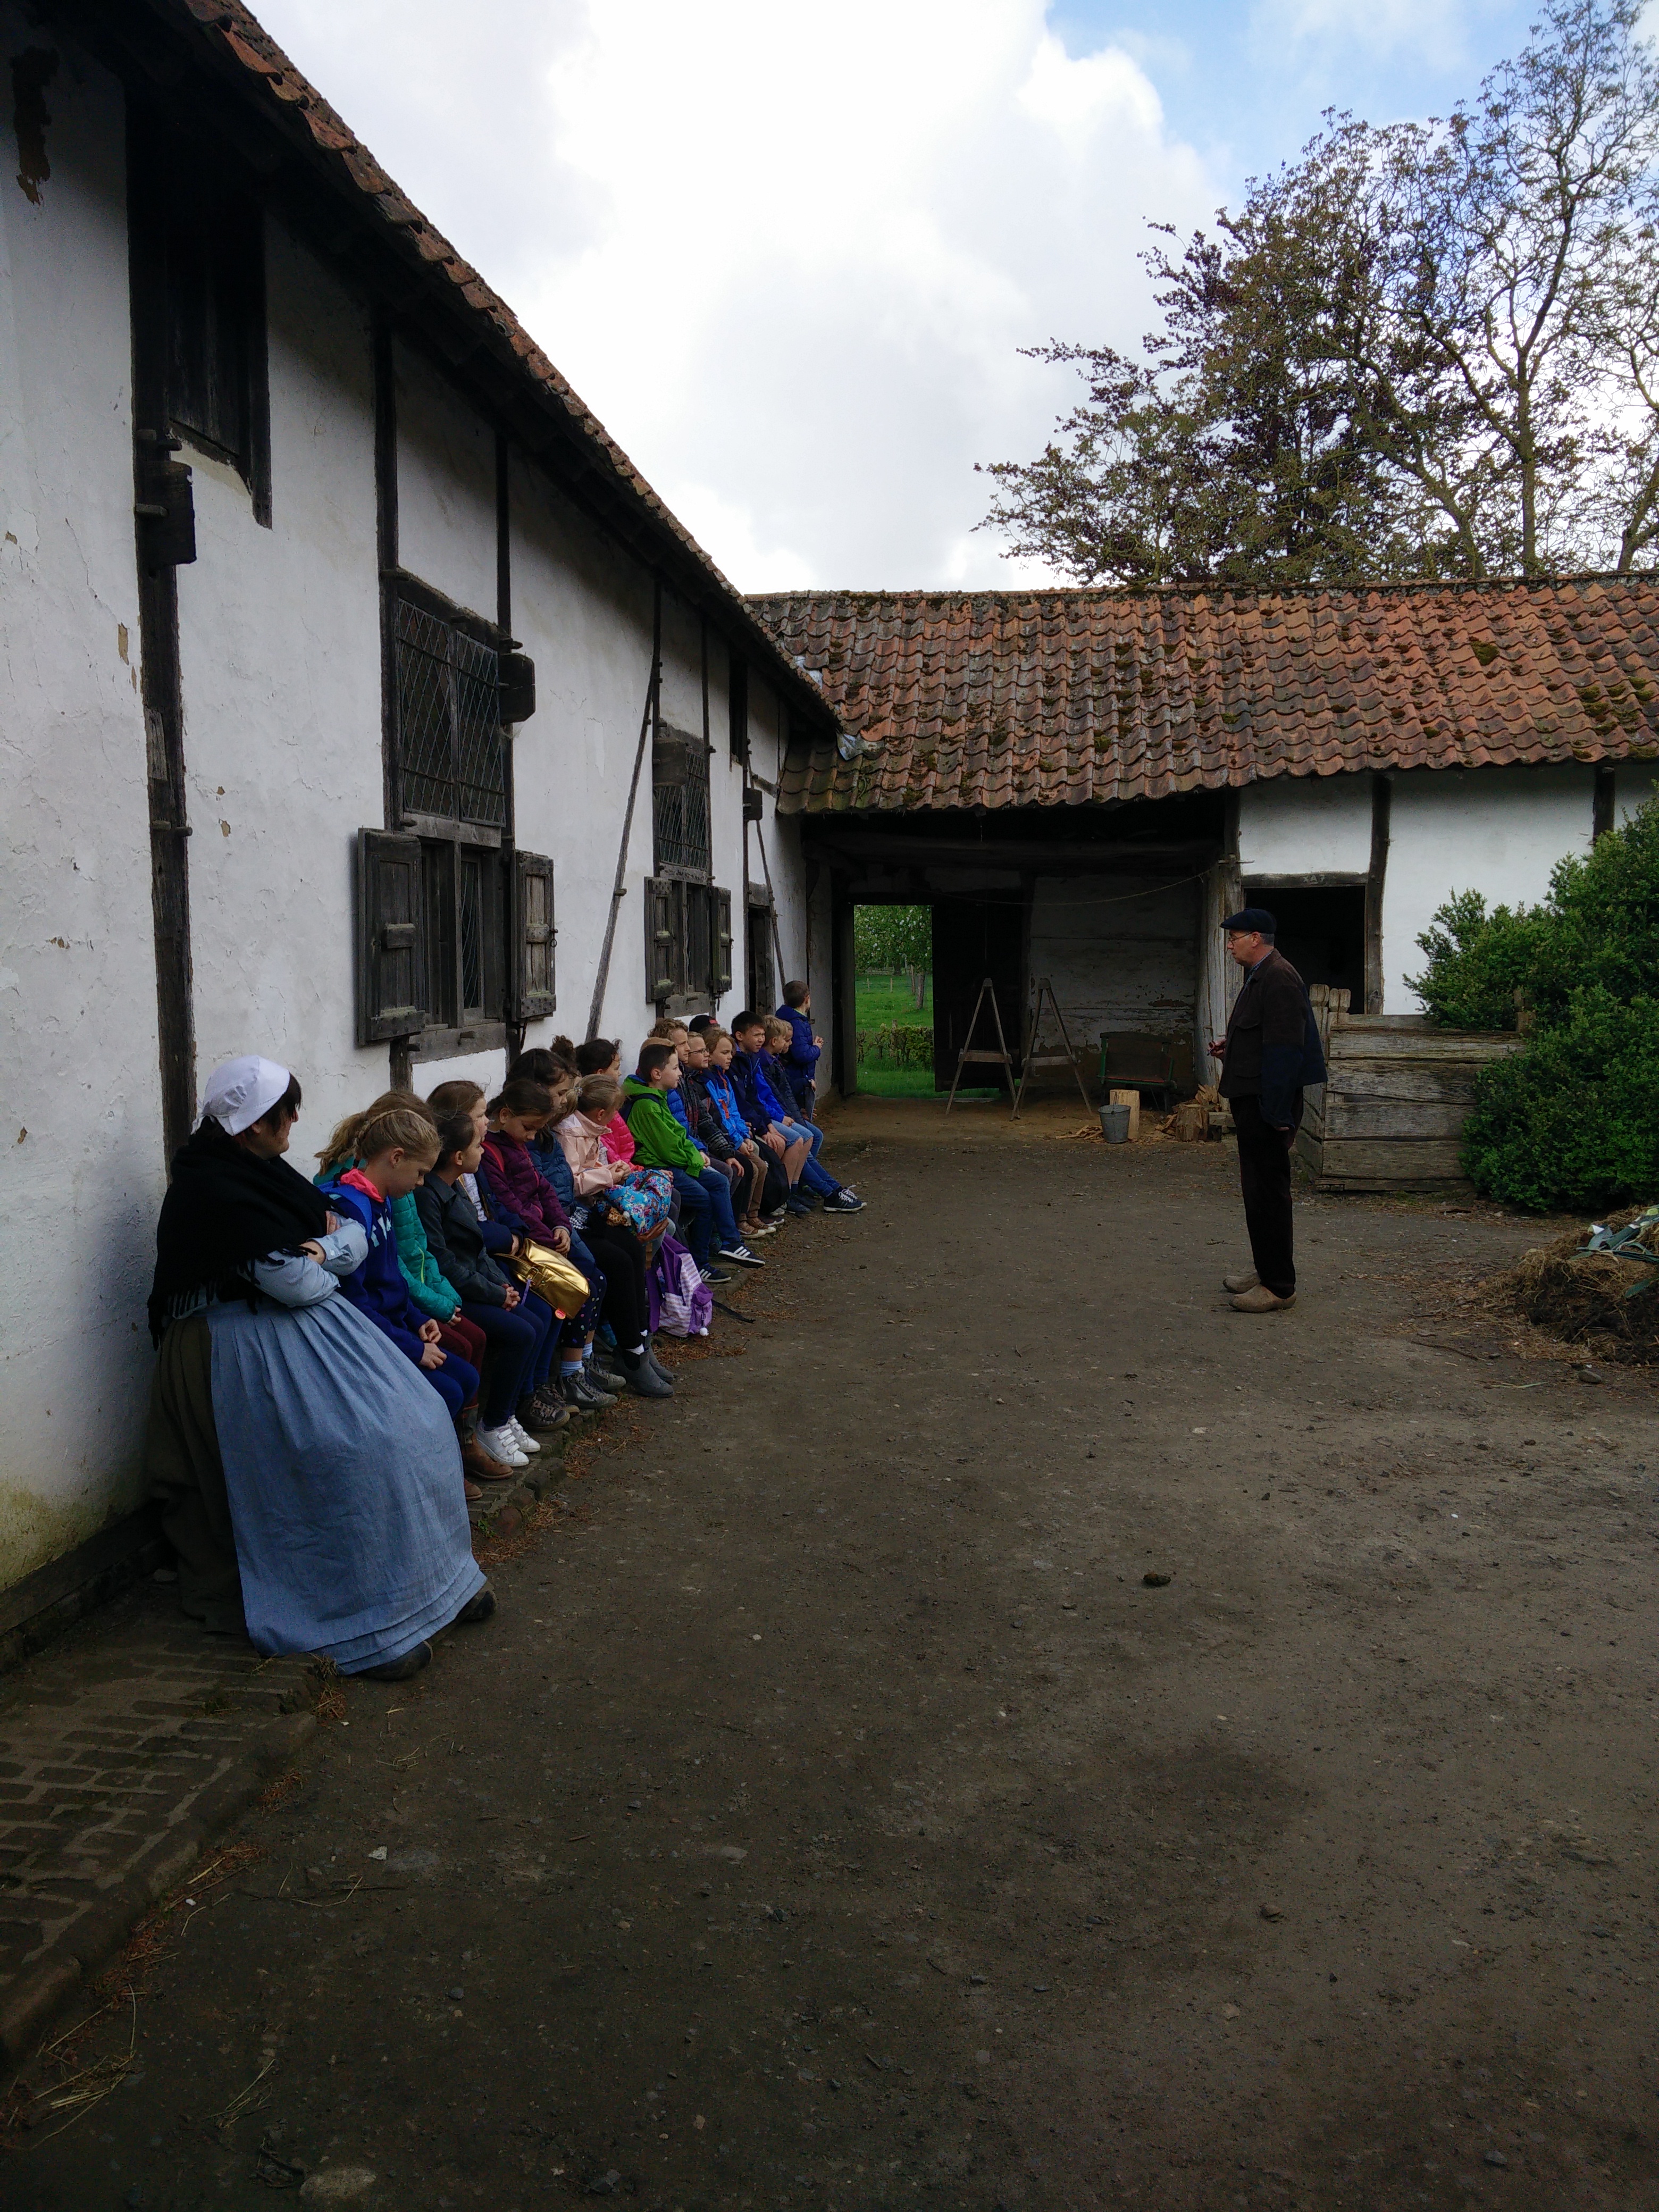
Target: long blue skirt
(345, 1484)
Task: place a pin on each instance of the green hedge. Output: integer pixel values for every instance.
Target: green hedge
(896, 1044)
(1572, 1121)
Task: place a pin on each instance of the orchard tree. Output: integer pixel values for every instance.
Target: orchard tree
(890, 940)
(1420, 349)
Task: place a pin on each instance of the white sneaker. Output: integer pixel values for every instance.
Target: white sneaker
(502, 1444)
(522, 1436)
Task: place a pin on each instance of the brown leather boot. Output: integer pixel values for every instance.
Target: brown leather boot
(480, 1466)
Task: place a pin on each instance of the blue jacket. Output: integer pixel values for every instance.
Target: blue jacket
(378, 1287)
(676, 1108)
(775, 1074)
(725, 1100)
(802, 1058)
(759, 1106)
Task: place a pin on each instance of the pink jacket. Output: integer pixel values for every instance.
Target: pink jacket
(592, 1170)
(618, 1142)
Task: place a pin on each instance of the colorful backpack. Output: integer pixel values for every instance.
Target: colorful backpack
(682, 1303)
(642, 1200)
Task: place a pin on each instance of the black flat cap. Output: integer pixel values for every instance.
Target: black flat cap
(1252, 917)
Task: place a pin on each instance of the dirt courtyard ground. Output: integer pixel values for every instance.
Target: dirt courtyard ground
(837, 1815)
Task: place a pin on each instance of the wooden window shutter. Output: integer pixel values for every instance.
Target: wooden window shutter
(661, 938)
(719, 980)
(389, 961)
(533, 923)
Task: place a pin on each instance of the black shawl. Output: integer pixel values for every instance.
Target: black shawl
(223, 1208)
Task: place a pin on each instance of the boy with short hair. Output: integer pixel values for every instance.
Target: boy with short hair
(804, 1046)
(749, 1033)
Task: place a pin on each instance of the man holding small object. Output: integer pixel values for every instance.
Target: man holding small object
(1270, 1053)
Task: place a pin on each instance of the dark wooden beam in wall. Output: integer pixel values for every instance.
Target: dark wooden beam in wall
(1381, 798)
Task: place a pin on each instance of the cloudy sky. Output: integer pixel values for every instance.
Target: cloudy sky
(789, 252)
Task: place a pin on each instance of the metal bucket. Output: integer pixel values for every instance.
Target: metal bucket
(1114, 1124)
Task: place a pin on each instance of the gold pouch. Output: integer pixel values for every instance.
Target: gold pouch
(552, 1277)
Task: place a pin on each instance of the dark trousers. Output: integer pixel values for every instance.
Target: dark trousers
(516, 1342)
(1264, 1171)
(621, 1257)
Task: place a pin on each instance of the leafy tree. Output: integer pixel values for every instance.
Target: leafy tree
(1421, 348)
(890, 940)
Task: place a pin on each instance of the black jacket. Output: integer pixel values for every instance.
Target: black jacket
(456, 1241)
(1273, 1041)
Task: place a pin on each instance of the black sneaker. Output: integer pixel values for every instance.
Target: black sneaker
(717, 1274)
(842, 1201)
(798, 1208)
(581, 1397)
(740, 1256)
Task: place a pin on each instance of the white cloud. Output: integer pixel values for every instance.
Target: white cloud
(788, 254)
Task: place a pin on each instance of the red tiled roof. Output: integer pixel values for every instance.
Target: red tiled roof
(1063, 698)
(236, 37)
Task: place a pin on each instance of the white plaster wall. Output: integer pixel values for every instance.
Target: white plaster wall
(82, 1169)
(446, 487)
(1299, 825)
(280, 653)
(768, 742)
(582, 609)
(1122, 955)
(1497, 831)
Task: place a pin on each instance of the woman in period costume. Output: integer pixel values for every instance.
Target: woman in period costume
(309, 1477)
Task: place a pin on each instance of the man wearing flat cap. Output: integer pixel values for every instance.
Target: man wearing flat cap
(1271, 1051)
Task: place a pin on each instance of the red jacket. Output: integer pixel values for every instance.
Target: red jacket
(520, 1193)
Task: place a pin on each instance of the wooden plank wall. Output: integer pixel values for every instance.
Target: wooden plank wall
(1390, 1114)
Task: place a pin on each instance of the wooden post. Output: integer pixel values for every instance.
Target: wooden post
(1382, 795)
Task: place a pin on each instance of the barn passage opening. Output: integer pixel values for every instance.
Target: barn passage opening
(893, 953)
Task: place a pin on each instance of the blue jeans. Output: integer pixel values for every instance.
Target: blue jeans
(817, 1179)
(697, 1225)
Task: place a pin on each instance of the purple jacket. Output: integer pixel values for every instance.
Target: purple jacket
(520, 1193)
(378, 1288)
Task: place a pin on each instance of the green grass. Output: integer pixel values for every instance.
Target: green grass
(884, 999)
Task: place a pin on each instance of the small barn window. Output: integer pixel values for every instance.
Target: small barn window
(679, 801)
(452, 751)
(688, 943)
(482, 941)
(200, 241)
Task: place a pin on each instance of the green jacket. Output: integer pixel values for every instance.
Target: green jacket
(659, 1140)
(430, 1288)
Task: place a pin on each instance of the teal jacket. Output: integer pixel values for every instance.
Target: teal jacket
(659, 1141)
(428, 1286)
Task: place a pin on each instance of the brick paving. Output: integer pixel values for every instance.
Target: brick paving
(122, 1746)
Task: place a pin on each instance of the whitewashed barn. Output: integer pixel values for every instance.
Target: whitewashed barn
(336, 631)
(1082, 783)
